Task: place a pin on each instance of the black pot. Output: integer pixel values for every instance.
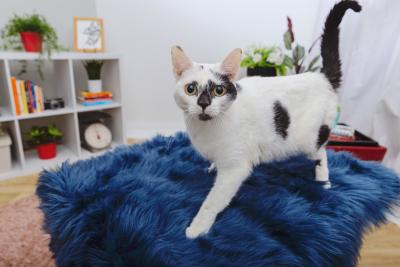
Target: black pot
(264, 72)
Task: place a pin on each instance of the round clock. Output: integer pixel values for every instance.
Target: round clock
(97, 136)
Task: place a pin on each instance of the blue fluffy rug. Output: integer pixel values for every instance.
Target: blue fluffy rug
(131, 207)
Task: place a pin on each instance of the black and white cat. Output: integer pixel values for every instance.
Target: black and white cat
(239, 124)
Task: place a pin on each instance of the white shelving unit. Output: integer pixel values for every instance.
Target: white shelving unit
(64, 76)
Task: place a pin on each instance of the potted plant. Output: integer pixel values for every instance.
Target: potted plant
(264, 61)
(272, 61)
(93, 69)
(30, 30)
(31, 33)
(44, 139)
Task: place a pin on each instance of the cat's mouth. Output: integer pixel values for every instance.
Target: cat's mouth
(204, 117)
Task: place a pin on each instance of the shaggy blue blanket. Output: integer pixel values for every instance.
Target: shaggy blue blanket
(130, 207)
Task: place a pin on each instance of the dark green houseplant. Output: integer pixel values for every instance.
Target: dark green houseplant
(45, 139)
(93, 70)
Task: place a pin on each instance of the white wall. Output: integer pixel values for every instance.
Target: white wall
(143, 31)
(59, 13)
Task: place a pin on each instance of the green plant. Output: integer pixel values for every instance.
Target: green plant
(30, 23)
(44, 134)
(297, 56)
(264, 57)
(93, 68)
(290, 61)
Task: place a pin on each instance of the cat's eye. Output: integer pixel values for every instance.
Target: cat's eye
(191, 89)
(219, 90)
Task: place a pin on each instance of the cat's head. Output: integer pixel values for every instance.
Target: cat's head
(205, 91)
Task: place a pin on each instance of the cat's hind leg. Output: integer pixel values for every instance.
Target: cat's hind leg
(212, 168)
(321, 167)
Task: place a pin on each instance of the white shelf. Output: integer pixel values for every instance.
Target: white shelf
(33, 161)
(64, 76)
(82, 108)
(46, 113)
(6, 116)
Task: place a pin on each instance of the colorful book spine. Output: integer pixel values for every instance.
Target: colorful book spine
(15, 95)
(23, 95)
(95, 103)
(19, 93)
(34, 97)
(30, 104)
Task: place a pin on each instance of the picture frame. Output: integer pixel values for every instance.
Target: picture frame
(88, 34)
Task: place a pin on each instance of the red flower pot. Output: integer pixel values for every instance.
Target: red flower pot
(32, 41)
(47, 151)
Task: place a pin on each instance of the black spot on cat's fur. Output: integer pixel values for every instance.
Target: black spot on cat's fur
(281, 119)
(230, 87)
(204, 99)
(180, 48)
(323, 135)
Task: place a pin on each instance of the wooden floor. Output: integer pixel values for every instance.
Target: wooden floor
(381, 247)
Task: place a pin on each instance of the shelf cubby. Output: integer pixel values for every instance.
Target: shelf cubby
(109, 76)
(56, 81)
(65, 77)
(16, 146)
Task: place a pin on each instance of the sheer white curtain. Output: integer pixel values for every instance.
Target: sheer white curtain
(370, 53)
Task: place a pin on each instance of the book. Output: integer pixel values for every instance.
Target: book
(96, 95)
(23, 94)
(15, 95)
(19, 95)
(30, 97)
(39, 98)
(33, 96)
(95, 103)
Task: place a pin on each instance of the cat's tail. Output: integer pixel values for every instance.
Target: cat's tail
(331, 65)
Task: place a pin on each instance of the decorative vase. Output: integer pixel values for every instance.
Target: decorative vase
(95, 86)
(264, 72)
(32, 41)
(47, 151)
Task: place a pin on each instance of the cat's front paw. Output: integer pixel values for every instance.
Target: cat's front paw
(212, 168)
(327, 185)
(194, 231)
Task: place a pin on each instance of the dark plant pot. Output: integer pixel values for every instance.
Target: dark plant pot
(32, 41)
(47, 151)
(264, 72)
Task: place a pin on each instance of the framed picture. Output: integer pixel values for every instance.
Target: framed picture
(88, 35)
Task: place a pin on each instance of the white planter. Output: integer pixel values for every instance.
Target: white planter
(95, 86)
(5, 153)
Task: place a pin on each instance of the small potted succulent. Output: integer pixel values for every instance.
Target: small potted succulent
(30, 30)
(45, 139)
(93, 69)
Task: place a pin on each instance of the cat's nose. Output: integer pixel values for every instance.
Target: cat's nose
(204, 100)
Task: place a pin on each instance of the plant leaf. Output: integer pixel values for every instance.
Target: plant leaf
(313, 62)
(298, 53)
(288, 61)
(287, 39)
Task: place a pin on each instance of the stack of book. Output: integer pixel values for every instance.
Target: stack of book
(28, 97)
(93, 99)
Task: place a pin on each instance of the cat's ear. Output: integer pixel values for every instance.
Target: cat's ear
(180, 61)
(231, 64)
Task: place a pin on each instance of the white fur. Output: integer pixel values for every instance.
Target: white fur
(242, 134)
